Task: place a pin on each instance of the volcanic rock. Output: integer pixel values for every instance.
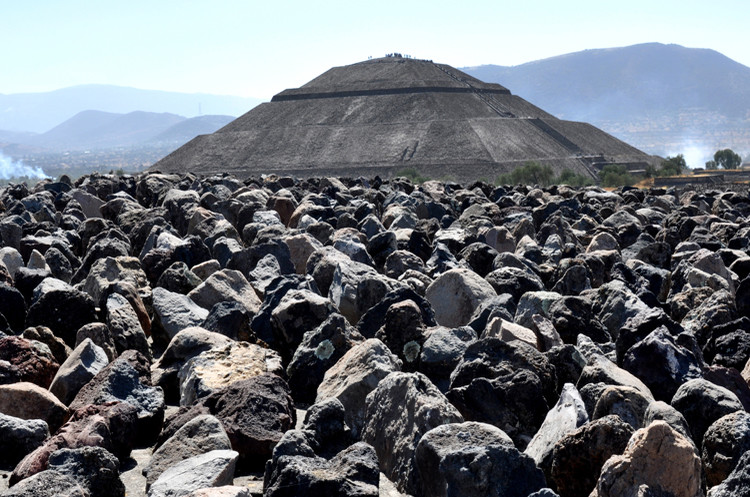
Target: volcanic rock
(474, 459)
(200, 435)
(455, 294)
(217, 368)
(86, 360)
(94, 468)
(254, 412)
(212, 469)
(702, 403)
(679, 472)
(20, 436)
(401, 409)
(318, 351)
(354, 376)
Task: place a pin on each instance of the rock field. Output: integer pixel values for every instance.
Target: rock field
(167, 335)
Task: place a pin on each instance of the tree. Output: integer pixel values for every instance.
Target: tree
(727, 159)
(672, 166)
(711, 165)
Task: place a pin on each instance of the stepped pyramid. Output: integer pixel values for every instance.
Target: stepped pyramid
(384, 115)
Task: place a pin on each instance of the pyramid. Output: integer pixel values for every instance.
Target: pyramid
(382, 116)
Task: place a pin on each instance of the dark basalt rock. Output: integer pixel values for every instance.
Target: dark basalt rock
(402, 408)
(474, 459)
(491, 357)
(12, 307)
(111, 425)
(231, 319)
(374, 319)
(662, 364)
(579, 456)
(319, 349)
(64, 311)
(254, 412)
(94, 468)
(513, 401)
(702, 403)
(723, 445)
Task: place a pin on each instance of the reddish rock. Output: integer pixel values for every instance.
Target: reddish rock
(111, 426)
(22, 360)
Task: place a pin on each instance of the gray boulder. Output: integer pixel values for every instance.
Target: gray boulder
(702, 403)
(127, 379)
(723, 445)
(298, 312)
(402, 408)
(201, 434)
(212, 469)
(47, 484)
(441, 459)
(125, 327)
(354, 376)
(173, 313)
(626, 402)
(219, 367)
(320, 349)
(565, 417)
(86, 360)
(356, 287)
(227, 284)
(94, 468)
(185, 345)
(456, 294)
(351, 472)
(20, 436)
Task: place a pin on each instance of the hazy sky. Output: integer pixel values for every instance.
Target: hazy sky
(257, 49)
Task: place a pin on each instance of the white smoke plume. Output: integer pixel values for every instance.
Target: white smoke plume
(10, 169)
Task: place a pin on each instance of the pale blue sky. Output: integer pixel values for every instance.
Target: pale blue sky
(257, 49)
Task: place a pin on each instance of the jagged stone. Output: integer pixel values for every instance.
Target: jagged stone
(86, 360)
(354, 376)
(214, 468)
(455, 294)
(94, 468)
(20, 436)
(474, 459)
(678, 474)
(318, 351)
(401, 409)
(702, 403)
(201, 434)
(219, 367)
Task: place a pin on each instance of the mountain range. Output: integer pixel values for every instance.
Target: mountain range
(93, 129)
(40, 112)
(663, 99)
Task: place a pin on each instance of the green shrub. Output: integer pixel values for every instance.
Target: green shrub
(614, 175)
(568, 177)
(412, 175)
(533, 173)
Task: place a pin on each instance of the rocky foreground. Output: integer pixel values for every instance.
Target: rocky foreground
(450, 340)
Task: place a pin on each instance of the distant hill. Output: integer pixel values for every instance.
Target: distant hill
(188, 129)
(40, 112)
(661, 98)
(93, 129)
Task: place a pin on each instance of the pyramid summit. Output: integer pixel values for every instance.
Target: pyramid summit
(384, 115)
